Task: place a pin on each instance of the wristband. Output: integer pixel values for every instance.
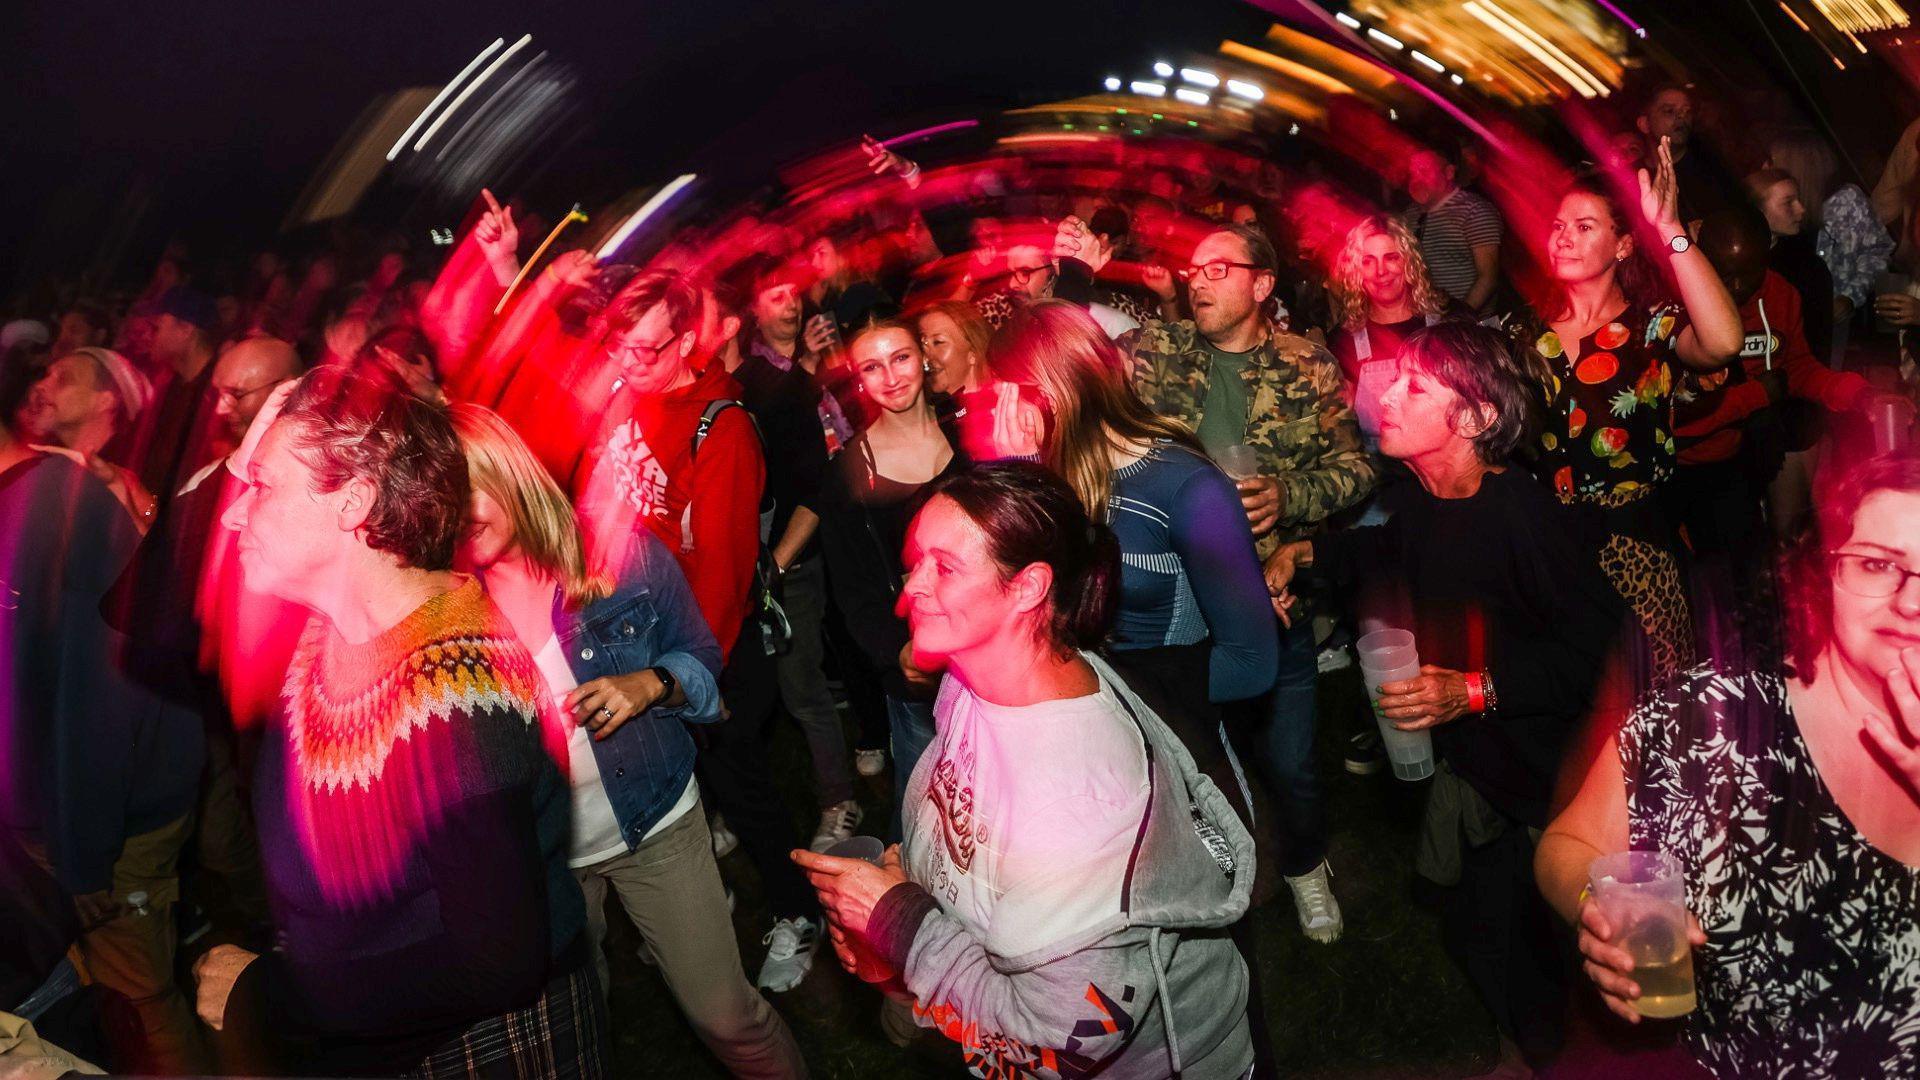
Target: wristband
(1476, 692)
(1486, 688)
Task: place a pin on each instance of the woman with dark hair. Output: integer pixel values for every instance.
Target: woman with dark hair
(1791, 798)
(1512, 621)
(1609, 347)
(1192, 627)
(1059, 903)
(413, 830)
(866, 500)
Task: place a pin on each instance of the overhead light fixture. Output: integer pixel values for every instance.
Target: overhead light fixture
(1199, 77)
(1245, 90)
(1163, 69)
(1429, 61)
(1293, 129)
(1347, 19)
(1150, 89)
(1386, 39)
(1457, 80)
(1113, 82)
(1192, 97)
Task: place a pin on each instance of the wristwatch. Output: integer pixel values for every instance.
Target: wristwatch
(668, 684)
(1680, 243)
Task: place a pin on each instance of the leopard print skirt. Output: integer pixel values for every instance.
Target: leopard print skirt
(1648, 577)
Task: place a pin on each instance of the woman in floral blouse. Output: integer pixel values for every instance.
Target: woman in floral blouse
(1791, 799)
(1611, 347)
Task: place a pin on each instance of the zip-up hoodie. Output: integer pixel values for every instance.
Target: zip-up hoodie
(1072, 875)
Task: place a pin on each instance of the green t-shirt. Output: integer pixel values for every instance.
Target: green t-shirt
(1223, 415)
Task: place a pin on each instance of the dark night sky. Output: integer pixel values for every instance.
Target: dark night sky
(222, 110)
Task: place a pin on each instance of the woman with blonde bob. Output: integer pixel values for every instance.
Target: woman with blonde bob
(1191, 630)
(628, 661)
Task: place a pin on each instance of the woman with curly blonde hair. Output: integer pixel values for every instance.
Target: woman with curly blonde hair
(1381, 294)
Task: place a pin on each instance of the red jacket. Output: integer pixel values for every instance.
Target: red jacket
(1710, 406)
(641, 469)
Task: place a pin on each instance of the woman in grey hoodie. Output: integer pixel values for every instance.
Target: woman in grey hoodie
(1059, 904)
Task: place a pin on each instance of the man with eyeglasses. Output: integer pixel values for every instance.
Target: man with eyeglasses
(703, 502)
(1237, 379)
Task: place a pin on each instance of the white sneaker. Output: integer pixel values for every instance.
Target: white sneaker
(870, 762)
(790, 948)
(837, 823)
(1313, 898)
(1338, 658)
(723, 839)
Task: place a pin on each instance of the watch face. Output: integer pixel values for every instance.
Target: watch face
(1679, 244)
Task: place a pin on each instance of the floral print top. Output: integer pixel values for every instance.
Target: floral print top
(1608, 438)
(1854, 244)
(1812, 962)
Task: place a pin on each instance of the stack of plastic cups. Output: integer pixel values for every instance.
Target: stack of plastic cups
(1388, 656)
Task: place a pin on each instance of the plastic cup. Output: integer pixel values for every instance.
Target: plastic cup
(1643, 896)
(1889, 423)
(865, 848)
(1389, 656)
(1239, 461)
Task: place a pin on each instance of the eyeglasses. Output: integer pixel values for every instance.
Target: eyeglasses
(1214, 271)
(1022, 274)
(1869, 575)
(235, 397)
(637, 354)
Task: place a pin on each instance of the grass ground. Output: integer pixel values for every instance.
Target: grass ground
(1381, 1002)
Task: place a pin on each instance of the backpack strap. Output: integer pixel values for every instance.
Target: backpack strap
(707, 417)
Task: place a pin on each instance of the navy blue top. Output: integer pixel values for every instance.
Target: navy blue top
(1188, 572)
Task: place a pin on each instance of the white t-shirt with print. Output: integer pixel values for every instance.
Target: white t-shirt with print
(1021, 820)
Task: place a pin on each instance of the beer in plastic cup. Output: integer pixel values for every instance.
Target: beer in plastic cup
(870, 968)
(1239, 461)
(1389, 656)
(1643, 897)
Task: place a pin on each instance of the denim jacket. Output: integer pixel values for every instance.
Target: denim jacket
(651, 618)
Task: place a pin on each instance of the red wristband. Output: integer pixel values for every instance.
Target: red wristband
(1476, 692)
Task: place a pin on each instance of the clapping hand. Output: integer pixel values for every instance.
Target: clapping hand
(1073, 240)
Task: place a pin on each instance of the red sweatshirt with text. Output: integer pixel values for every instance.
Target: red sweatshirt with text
(706, 508)
(1710, 406)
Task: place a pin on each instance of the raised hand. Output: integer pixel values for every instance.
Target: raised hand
(1073, 240)
(1660, 192)
(883, 161)
(1159, 279)
(497, 235)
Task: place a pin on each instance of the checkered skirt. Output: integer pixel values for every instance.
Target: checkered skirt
(563, 1036)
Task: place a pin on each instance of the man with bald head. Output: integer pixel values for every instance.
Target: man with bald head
(243, 379)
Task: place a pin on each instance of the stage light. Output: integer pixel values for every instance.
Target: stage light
(1163, 69)
(1200, 78)
(641, 215)
(477, 82)
(1150, 89)
(1347, 19)
(1113, 82)
(442, 96)
(1192, 97)
(1245, 90)
(1429, 61)
(1386, 39)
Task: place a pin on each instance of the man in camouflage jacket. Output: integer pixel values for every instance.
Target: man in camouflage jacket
(1311, 466)
(1305, 434)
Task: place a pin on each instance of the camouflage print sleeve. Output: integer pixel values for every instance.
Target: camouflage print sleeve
(1333, 470)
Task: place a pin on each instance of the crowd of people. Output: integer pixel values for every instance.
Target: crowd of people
(364, 640)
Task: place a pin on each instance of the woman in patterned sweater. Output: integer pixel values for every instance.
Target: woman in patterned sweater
(413, 828)
(1791, 799)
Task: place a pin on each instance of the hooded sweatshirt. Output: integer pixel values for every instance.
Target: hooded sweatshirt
(1071, 875)
(704, 507)
(1710, 406)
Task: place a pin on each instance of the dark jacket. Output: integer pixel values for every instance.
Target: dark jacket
(651, 618)
(92, 757)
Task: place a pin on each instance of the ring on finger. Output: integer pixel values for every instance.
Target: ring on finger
(606, 714)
